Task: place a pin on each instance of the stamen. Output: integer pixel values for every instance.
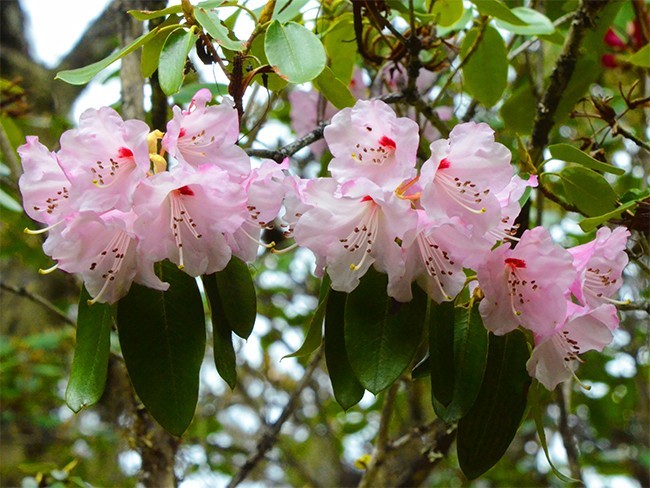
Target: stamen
(285, 250)
(43, 230)
(48, 270)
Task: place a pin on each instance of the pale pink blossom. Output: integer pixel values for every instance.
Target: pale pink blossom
(584, 329)
(526, 286)
(182, 216)
(510, 208)
(370, 141)
(103, 249)
(106, 157)
(205, 134)
(44, 185)
(600, 265)
(463, 176)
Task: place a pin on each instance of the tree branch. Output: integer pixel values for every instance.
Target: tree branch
(34, 297)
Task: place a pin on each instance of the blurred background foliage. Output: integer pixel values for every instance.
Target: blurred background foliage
(44, 444)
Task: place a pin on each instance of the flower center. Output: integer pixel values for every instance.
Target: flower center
(105, 173)
(375, 155)
(464, 193)
(111, 257)
(180, 218)
(362, 237)
(436, 261)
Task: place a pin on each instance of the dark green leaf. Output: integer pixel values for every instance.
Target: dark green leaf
(422, 369)
(171, 65)
(518, 111)
(487, 430)
(90, 362)
(486, 73)
(498, 10)
(441, 351)
(381, 334)
(237, 292)
(333, 89)
(347, 389)
(537, 23)
(588, 191)
(209, 20)
(571, 154)
(294, 51)
(224, 351)
(314, 336)
(162, 335)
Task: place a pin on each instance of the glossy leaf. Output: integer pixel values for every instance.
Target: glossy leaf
(151, 50)
(238, 296)
(286, 10)
(209, 20)
(294, 51)
(486, 73)
(175, 9)
(447, 12)
(333, 89)
(536, 23)
(590, 223)
(381, 334)
(339, 42)
(347, 389)
(422, 369)
(171, 65)
(92, 348)
(588, 191)
(272, 81)
(569, 153)
(162, 335)
(641, 57)
(518, 111)
(225, 359)
(441, 352)
(498, 10)
(487, 430)
(314, 336)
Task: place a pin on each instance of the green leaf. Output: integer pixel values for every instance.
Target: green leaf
(294, 51)
(209, 20)
(175, 9)
(589, 224)
(487, 430)
(341, 51)
(92, 348)
(422, 369)
(8, 202)
(536, 23)
(486, 73)
(641, 57)
(381, 334)
(286, 10)
(162, 335)
(314, 336)
(333, 89)
(498, 10)
(447, 12)
(571, 154)
(588, 191)
(151, 50)
(274, 82)
(238, 297)
(81, 76)
(171, 65)
(225, 359)
(441, 352)
(518, 111)
(347, 389)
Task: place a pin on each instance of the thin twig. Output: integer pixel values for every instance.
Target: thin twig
(567, 435)
(271, 436)
(36, 298)
(618, 130)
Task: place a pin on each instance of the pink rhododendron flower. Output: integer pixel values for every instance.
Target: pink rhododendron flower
(526, 285)
(103, 250)
(107, 158)
(370, 141)
(44, 185)
(463, 176)
(207, 135)
(509, 201)
(182, 216)
(585, 329)
(600, 265)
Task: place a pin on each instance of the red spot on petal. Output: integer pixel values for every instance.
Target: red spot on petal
(515, 263)
(387, 142)
(124, 152)
(367, 198)
(185, 190)
(444, 164)
(182, 132)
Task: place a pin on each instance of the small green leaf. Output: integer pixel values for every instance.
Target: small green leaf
(588, 190)
(175, 9)
(162, 335)
(151, 50)
(333, 89)
(447, 12)
(286, 10)
(314, 336)
(81, 76)
(209, 20)
(8, 202)
(536, 23)
(171, 65)
(339, 42)
(641, 57)
(237, 292)
(92, 348)
(487, 430)
(486, 73)
(347, 389)
(294, 51)
(381, 334)
(498, 10)
(567, 152)
(589, 224)
(225, 359)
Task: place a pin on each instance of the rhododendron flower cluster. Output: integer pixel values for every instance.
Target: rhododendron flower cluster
(114, 206)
